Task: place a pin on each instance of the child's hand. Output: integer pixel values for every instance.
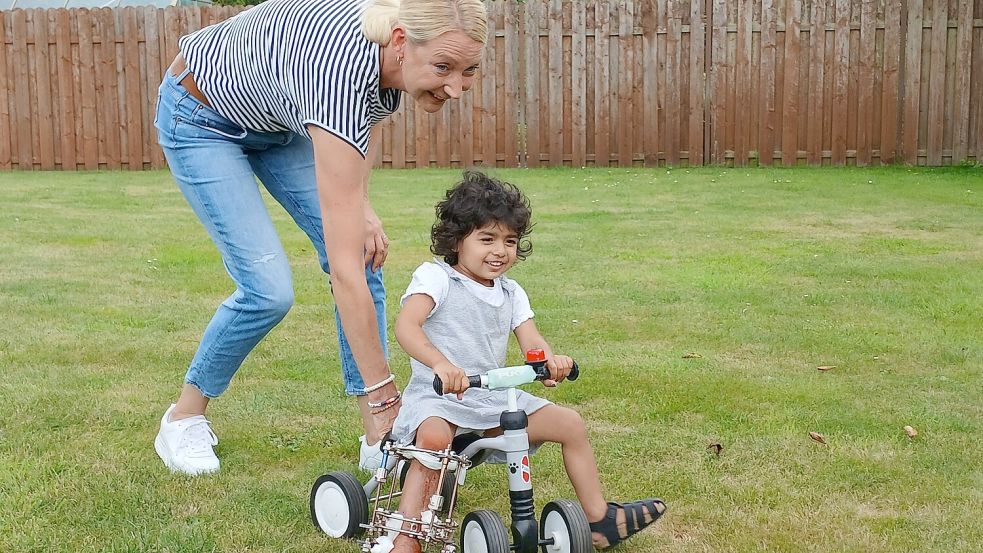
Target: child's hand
(454, 378)
(559, 366)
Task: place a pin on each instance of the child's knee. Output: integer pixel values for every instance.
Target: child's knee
(574, 425)
(434, 434)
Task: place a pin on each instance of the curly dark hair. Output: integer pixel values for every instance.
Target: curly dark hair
(476, 202)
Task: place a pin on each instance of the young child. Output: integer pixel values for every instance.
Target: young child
(456, 318)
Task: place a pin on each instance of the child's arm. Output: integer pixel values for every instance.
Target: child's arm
(410, 335)
(529, 338)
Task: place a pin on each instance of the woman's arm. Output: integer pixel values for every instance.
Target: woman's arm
(376, 245)
(341, 174)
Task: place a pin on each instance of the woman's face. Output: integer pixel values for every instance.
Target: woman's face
(440, 69)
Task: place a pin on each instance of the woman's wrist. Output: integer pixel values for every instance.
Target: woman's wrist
(383, 393)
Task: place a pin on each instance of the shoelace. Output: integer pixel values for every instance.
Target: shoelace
(198, 437)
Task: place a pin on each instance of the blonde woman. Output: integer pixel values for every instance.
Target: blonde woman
(289, 92)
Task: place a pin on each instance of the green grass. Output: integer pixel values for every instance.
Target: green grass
(107, 280)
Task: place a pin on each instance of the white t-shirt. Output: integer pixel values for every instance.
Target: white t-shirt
(433, 279)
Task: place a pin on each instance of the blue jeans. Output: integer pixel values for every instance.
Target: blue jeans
(215, 163)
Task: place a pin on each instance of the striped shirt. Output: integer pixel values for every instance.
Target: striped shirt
(285, 64)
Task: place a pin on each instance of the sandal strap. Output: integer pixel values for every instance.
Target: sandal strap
(608, 526)
(634, 519)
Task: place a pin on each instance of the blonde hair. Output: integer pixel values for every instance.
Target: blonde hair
(425, 19)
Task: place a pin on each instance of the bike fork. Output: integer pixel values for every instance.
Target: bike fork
(525, 531)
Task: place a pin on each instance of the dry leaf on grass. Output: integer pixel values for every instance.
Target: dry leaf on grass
(692, 355)
(716, 448)
(816, 436)
(826, 367)
(911, 432)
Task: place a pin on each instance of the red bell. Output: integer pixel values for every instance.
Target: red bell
(535, 356)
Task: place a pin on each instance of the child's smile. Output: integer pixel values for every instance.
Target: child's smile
(487, 253)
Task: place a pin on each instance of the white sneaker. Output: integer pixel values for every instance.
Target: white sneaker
(186, 445)
(369, 456)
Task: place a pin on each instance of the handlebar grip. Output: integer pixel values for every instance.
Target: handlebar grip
(574, 372)
(438, 384)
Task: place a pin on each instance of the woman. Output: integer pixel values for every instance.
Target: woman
(289, 91)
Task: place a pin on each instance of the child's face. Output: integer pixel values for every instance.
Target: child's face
(487, 253)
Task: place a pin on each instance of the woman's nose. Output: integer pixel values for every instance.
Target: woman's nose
(453, 88)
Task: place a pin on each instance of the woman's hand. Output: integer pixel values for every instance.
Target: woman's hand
(454, 378)
(376, 241)
(560, 367)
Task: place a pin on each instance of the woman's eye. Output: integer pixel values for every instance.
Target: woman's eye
(442, 67)
(471, 70)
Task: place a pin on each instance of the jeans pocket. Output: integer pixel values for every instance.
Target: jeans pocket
(209, 120)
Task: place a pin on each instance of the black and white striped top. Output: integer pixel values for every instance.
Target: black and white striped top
(285, 64)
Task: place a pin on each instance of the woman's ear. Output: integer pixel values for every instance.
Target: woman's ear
(398, 40)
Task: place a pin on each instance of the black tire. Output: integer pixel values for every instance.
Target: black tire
(565, 522)
(338, 505)
(483, 532)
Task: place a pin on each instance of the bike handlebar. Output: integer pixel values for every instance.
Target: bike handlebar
(511, 376)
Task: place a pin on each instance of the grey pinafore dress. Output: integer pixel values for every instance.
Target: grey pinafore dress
(473, 335)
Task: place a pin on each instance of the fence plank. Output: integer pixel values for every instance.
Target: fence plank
(964, 52)
(936, 88)
(650, 108)
(22, 98)
(555, 83)
(912, 83)
(840, 67)
(976, 98)
(87, 92)
(817, 51)
(865, 93)
(511, 54)
(625, 79)
(131, 89)
(489, 136)
(892, 65)
(718, 81)
(42, 95)
(742, 67)
(766, 77)
(697, 66)
(673, 61)
(578, 85)
(66, 89)
(154, 74)
(790, 101)
(602, 107)
(5, 115)
(533, 115)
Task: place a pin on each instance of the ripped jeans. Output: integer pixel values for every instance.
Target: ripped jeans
(215, 163)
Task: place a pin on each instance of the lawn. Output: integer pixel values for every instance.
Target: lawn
(700, 304)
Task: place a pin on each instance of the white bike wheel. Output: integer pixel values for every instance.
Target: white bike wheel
(483, 532)
(338, 505)
(564, 522)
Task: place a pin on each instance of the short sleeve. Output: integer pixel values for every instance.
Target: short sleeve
(429, 279)
(521, 309)
(334, 94)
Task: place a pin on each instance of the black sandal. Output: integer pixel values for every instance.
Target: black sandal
(634, 520)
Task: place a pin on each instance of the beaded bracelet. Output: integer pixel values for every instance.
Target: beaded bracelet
(381, 383)
(385, 404)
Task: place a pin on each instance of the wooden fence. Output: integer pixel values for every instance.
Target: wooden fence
(597, 82)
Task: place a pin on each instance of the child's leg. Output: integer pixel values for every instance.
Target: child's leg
(565, 427)
(421, 483)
